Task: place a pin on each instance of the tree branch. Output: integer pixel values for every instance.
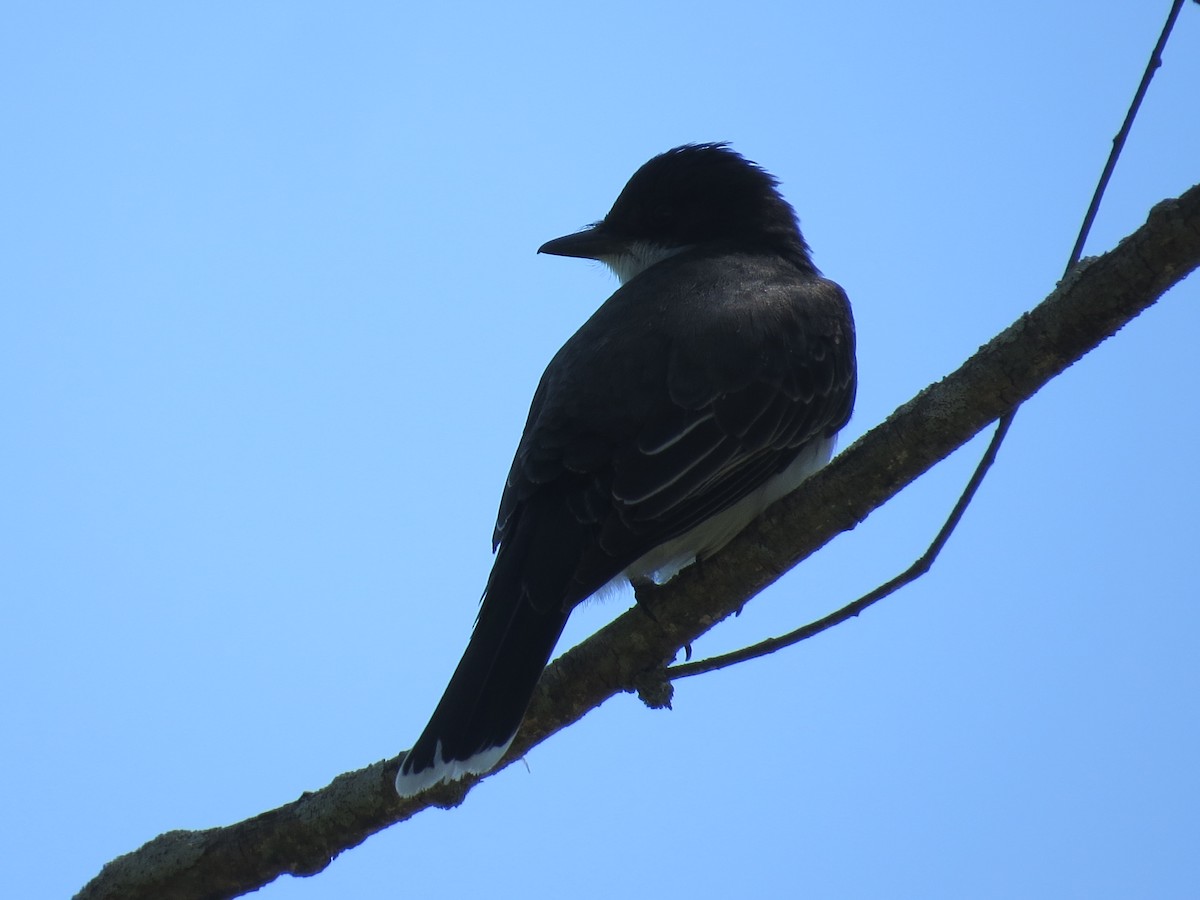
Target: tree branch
(302, 837)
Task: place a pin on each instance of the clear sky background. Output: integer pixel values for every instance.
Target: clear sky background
(270, 319)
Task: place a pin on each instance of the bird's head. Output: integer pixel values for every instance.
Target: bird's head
(697, 195)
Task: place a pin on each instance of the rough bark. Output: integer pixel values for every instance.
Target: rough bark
(302, 837)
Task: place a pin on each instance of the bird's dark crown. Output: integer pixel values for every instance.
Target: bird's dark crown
(705, 193)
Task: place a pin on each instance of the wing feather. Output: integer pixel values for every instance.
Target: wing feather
(653, 418)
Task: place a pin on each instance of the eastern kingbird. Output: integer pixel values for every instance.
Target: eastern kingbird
(708, 386)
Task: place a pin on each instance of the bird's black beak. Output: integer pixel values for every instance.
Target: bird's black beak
(594, 242)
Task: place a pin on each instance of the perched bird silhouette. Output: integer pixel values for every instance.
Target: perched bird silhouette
(712, 383)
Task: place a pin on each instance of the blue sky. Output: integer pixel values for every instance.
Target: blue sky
(271, 320)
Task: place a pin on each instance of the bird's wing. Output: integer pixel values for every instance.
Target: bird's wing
(653, 419)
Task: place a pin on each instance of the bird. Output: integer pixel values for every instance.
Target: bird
(710, 384)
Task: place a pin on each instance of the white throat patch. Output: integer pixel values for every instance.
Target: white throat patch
(640, 257)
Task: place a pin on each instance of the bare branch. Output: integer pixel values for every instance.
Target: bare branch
(302, 837)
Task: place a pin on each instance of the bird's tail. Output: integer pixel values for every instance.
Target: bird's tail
(483, 705)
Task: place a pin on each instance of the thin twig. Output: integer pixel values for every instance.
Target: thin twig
(1119, 141)
(912, 573)
(925, 563)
